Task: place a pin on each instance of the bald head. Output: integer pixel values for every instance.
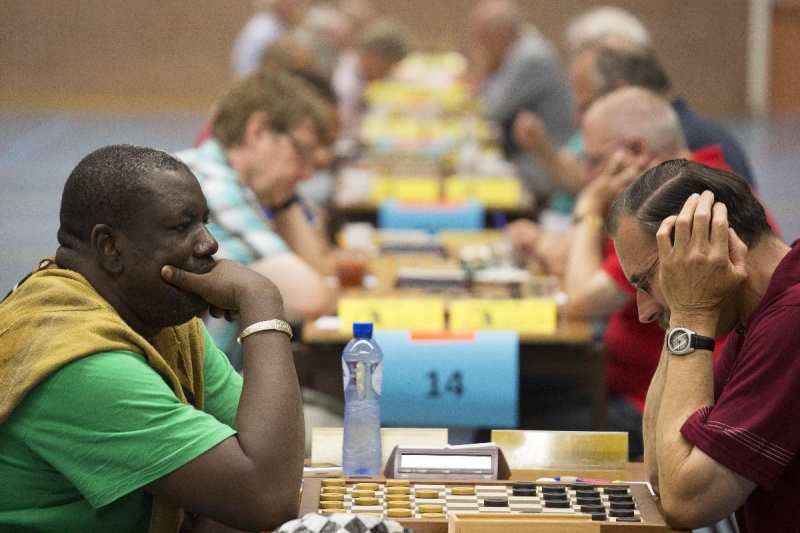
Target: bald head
(497, 25)
(636, 119)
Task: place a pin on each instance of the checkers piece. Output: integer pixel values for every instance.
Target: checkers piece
(620, 513)
(398, 483)
(334, 482)
(463, 491)
(363, 494)
(581, 486)
(398, 490)
(430, 508)
(367, 486)
(628, 498)
(623, 505)
(557, 504)
(593, 500)
(331, 505)
(398, 513)
(523, 492)
(426, 494)
(553, 489)
(366, 501)
(333, 511)
(433, 515)
(587, 493)
(629, 519)
(334, 490)
(331, 497)
(397, 497)
(495, 502)
(599, 517)
(595, 508)
(398, 505)
(554, 496)
(377, 515)
(615, 490)
(523, 485)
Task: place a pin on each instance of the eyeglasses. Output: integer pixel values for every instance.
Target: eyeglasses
(304, 152)
(642, 282)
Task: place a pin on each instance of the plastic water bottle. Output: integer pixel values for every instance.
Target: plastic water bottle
(362, 370)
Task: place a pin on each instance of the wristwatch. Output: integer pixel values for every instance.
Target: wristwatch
(682, 341)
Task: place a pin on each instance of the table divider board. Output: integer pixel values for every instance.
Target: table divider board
(450, 379)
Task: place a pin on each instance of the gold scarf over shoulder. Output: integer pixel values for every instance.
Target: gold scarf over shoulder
(55, 317)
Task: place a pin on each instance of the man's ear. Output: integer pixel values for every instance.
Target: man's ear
(104, 244)
(255, 127)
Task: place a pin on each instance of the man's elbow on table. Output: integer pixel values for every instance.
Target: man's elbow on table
(702, 492)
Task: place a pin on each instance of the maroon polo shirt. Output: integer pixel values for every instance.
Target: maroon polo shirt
(753, 428)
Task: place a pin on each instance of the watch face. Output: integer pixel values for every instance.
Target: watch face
(679, 341)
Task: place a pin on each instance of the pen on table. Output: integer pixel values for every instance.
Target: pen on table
(499, 219)
(573, 479)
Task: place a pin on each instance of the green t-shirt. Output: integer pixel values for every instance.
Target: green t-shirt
(77, 451)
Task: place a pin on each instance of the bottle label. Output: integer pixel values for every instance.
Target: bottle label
(377, 378)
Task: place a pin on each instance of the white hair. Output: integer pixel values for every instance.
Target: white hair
(634, 112)
(602, 22)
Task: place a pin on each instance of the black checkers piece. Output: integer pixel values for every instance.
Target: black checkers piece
(553, 489)
(628, 498)
(615, 490)
(557, 504)
(581, 486)
(620, 513)
(593, 500)
(523, 485)
(523, 492)
(593, 509)
(495, 502)
(623, 505)
(599, 517)
(629, 519)
(587, 493)
(554, 496)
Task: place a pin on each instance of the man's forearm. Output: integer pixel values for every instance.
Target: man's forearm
(652, 407)
(688, 386)
(303, 238)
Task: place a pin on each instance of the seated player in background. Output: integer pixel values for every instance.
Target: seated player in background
(719, 437)
(626, 132)
(600, 68)
(118, 411)
(265, 131)
(380, 47)
(520, 70)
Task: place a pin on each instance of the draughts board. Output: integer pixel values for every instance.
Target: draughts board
(429, 503)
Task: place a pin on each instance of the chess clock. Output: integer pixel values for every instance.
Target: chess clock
(450, 462)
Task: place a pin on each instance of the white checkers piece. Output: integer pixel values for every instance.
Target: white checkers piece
(265, 325)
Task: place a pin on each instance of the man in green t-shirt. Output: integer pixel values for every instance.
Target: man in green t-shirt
(117, 412)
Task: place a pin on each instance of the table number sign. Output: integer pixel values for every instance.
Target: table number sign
(423, 314)
(528, 315)
(450, 379)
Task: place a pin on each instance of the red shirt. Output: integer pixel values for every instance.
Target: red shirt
(752, 428)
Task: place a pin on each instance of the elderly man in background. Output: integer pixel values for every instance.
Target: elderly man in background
(602, 67)
(271, 20)
(379, 48)
(265, 130)
(521, 72)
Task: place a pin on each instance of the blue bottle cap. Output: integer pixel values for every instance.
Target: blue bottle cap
(362, 330)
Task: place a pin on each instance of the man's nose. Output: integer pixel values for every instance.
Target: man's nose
(649, 308)
(207, 244)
